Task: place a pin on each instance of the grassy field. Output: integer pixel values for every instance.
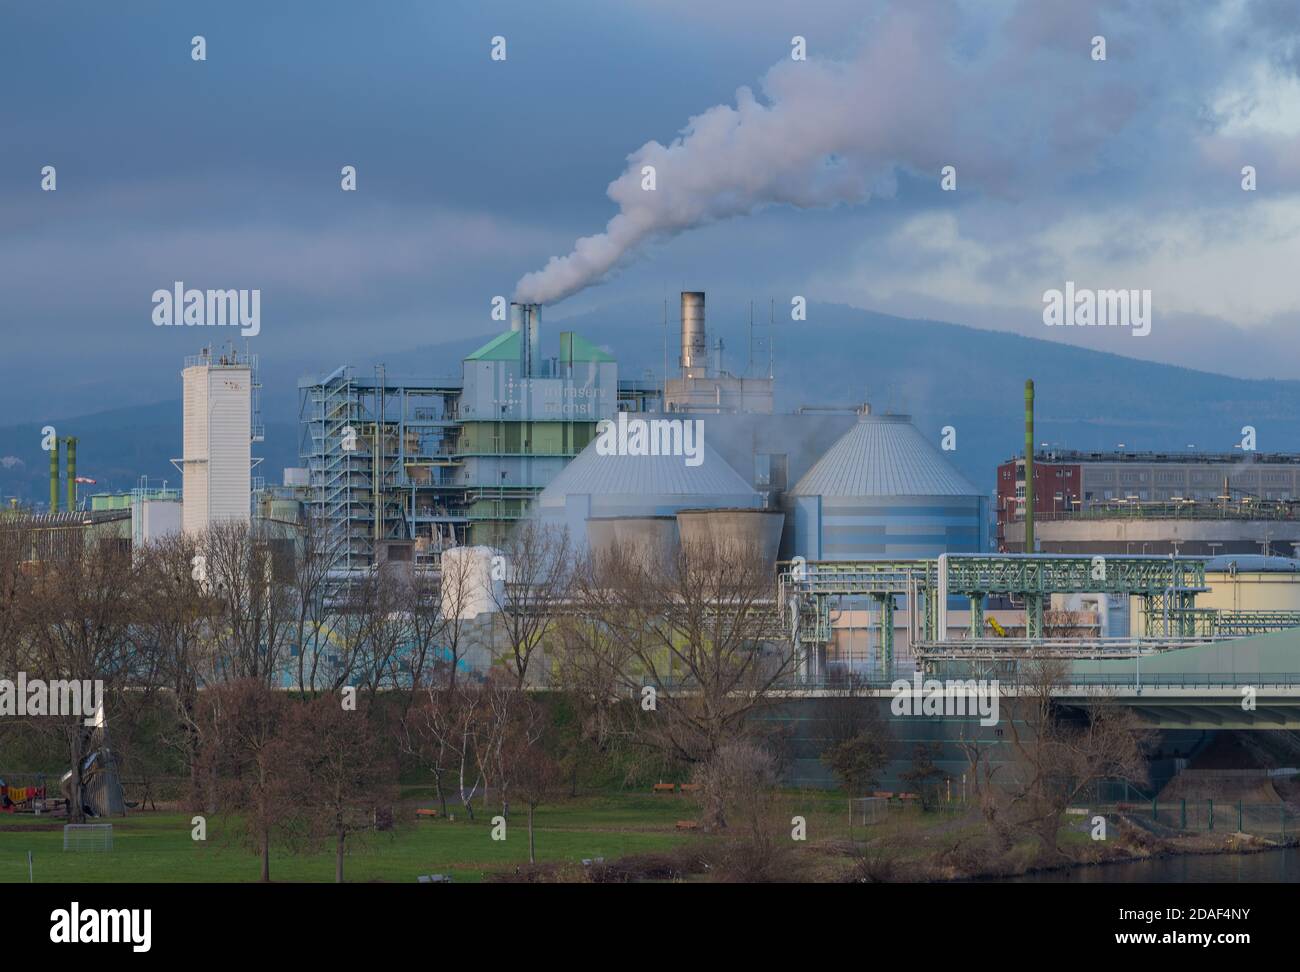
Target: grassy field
(157, 846)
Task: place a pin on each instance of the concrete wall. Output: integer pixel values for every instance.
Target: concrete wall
(1192, 537)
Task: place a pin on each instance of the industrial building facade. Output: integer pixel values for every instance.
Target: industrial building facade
(400, 468)
(1067, 482)
(1153, 503)
(219, 428)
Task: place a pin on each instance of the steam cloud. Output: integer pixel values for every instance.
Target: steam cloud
(830, 132)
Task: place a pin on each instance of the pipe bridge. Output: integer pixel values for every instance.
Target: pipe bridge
(808, 590)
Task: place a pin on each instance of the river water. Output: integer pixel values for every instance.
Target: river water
(1269, 866)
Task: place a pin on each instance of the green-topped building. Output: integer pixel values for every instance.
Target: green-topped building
(401, 467)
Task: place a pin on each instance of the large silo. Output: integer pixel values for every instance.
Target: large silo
(218, 431)
(598, 486)
(883, 491)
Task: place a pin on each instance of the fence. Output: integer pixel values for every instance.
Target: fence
(865, 811)
(1267, 819)
(88, 837)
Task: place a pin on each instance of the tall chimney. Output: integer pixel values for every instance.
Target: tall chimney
(72, 473)
(1029, 465)
(527, 320)
(695, 351)
(54, 477)
(534, 318)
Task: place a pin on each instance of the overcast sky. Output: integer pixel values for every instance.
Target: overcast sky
(225, 173)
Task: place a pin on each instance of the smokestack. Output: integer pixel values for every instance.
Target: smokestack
(527, 319)
(72, 473)
(54, 477)
(534, 318)
(1029, 465)
(695, 351)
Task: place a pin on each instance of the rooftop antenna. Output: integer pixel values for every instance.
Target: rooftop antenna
(663, 394)
(771, 338)
(749, 365)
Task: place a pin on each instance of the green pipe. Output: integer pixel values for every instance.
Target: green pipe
(72, 472)
(1029, 465)
(54, 477)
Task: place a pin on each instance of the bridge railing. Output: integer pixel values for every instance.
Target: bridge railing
(1010, 682)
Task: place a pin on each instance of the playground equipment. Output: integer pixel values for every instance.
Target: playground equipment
(101, 790)
(21, 797)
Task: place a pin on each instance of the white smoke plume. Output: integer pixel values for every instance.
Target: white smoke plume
(827, 132)
(1007, 93)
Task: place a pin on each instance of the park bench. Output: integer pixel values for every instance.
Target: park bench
(690, 787)
(423, 812)
(665, 787)
(688, 825)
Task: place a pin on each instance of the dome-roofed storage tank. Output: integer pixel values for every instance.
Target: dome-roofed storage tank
(596, 486)
(884, 491)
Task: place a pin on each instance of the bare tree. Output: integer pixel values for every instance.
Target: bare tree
(251, 755)
(349, 773)
(82, 607)
(696, 627)
(16, 597)
(443, 730)
(508, 729)
(1060, 753)
(172, 634)
(537, 560)
(743, 776)
(537, 779)
(249, 574)
(311, 568)
(384, 621)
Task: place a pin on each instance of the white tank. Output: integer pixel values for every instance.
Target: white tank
(468, 582)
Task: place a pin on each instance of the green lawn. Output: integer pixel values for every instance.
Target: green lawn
(158, 847)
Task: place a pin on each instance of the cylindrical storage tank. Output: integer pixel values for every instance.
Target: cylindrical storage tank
(645, 539)
(742, 532)
(885, 492)
(600, 484)
(468, 586)
(695, 349)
